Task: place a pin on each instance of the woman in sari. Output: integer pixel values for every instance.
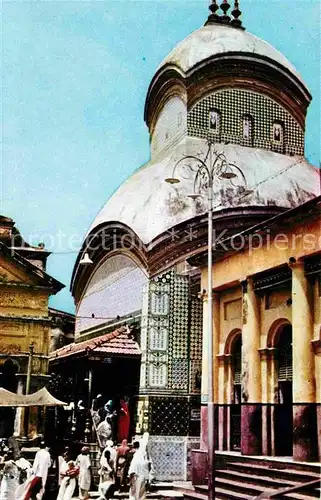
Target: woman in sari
(122, 465)
(140, 471)
(106, 486)
(10, 478)
(25, 476)
(68, 483)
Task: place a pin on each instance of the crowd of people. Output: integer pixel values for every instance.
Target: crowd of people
(122, 468)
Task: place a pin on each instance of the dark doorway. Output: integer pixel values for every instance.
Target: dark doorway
(283, 417)
(8, 381)
(235, 422)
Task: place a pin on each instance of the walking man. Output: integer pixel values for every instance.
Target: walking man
(83, 462)
(41, 465)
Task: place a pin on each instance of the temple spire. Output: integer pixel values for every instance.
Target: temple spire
(226, 17)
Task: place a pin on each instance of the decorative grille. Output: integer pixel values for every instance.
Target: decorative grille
(169, 416)
(237, 368)
(233, 104)
(285, 366)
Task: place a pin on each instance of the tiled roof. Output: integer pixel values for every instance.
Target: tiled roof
(118, 343)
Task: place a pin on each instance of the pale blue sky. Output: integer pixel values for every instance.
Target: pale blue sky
(75, 76)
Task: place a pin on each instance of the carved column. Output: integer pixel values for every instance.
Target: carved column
(304, 411)
(251, 415)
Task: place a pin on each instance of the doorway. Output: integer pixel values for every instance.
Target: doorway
(236, 365)
(283, 414)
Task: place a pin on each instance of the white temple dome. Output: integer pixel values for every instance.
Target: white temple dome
(149, 206)
(214, 39)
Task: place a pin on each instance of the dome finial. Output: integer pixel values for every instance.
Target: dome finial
(236, 22)
(214, 18)
(225, 8)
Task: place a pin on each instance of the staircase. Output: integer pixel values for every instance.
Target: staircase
(247, 478)
(94, 454)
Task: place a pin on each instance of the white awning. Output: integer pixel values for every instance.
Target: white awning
(39, 398)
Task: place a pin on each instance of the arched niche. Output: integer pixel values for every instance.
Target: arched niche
(114, 290)
(274, 332)
(170, 126)
(247, 128)
(231, 339)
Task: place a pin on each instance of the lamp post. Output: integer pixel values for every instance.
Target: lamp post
(208, 171)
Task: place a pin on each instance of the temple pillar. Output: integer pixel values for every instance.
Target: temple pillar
(265, 400)
(18, 422)
(220, 401)
(251, 411)
(273, 394)
(304, 409)
(229, 398)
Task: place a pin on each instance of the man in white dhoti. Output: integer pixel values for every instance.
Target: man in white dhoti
(41, 465)
(10, 478)
(140, 471)
(84, 480)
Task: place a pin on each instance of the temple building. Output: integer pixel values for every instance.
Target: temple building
(138, 266)
(267, 339)
(25, 288)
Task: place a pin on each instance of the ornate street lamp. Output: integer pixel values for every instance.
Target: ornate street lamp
(207, 172)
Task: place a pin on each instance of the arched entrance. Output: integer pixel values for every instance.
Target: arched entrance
(283, 417)
(236, 367)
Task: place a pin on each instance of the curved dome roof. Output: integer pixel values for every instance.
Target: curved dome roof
(214, 39)
(150, 206)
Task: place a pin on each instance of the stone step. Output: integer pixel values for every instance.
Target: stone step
(282, 473)
(192, 494)
(302, 496)
(222, 493)
(274, 463)
(262, 481)
(233, 486)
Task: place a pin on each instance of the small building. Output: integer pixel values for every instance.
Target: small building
(25, 288)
